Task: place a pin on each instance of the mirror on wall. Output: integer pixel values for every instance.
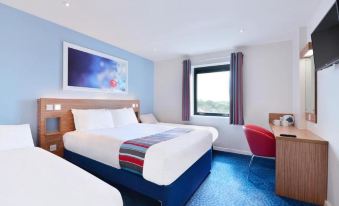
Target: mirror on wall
(307, 61)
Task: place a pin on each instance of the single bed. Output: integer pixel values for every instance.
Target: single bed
(34, 177)
(172, 170)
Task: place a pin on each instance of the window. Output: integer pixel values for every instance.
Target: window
(211, 90)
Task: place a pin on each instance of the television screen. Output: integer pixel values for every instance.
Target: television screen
(325, 40)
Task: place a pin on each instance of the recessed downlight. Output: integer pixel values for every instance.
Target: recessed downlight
(241, 30)
(66, 3)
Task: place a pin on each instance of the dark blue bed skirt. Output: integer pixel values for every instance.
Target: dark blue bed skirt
(175, 194)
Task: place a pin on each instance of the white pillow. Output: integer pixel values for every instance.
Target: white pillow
(148, 118)
(122, 117)
(15, 136)
(88, 119)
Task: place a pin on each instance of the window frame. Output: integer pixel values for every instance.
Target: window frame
(204, 70)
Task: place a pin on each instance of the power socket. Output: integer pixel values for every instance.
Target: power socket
(57, 107)
(49, 107)
(52, 147)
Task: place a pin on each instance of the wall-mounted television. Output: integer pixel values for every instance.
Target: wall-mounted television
(325, 39)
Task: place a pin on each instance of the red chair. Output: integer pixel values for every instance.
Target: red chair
(261, 142)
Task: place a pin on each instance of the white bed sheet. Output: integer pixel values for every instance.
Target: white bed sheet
(164, 162)
(34, 177)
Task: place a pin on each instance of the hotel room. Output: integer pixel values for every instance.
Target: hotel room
(172, 103)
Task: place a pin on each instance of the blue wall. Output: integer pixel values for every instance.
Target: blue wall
(31, 66)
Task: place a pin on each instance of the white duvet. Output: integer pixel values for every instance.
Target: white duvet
(164, 162)
(34, 177)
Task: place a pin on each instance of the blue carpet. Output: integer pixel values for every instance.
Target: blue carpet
(227, 185)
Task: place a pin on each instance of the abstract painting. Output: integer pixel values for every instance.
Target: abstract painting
(89, 70)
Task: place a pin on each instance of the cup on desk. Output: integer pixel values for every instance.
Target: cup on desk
(276, 122)
(285, 123)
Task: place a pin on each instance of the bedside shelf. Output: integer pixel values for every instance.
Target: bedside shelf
(52, 134)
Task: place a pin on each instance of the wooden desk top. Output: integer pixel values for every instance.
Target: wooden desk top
(303, 135)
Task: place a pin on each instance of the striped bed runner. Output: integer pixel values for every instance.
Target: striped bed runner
(132, 152)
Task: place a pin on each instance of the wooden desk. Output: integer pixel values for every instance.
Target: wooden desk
(301, 165)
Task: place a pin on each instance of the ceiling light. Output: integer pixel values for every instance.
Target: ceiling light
(241, 31)
(66, 4)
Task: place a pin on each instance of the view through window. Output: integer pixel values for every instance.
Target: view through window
(211, 90)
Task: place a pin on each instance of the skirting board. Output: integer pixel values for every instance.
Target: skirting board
(222, 149)
(327, 203)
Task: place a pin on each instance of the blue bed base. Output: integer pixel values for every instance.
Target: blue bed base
(175, 194)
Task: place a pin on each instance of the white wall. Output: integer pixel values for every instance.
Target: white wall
(328, 127)
(167, 90)
(328, 110)
(267, 88)
(267, 81)
(298, 77)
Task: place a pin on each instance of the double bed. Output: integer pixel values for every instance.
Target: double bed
(164, 162)
(172, 169)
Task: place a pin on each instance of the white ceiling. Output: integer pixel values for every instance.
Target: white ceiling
(164, 29)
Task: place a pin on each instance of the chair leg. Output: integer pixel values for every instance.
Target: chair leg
(249, 166)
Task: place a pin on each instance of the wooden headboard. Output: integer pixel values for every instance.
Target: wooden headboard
(60, 110)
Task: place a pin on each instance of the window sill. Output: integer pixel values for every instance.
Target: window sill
(209, 117)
